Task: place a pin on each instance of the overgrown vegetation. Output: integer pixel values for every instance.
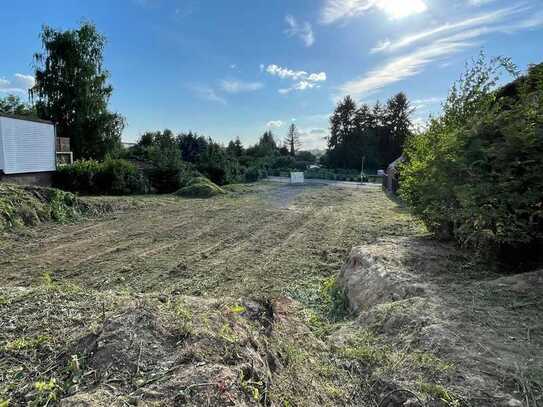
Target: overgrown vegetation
(111, 177)
(476, 173)
(28, 206)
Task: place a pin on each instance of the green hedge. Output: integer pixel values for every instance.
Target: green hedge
(110, 177)
(476, 174)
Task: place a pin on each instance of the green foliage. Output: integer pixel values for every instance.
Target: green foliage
(72, 91)
(28, 206)
(200, 187)
(476, 174)
(334, 299)
(254, 174)
(110, 177)
(13, 105)
(292, 141)
(46, 391)
(22, 344)
(373, 136)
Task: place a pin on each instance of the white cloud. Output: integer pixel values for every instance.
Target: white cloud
(274, 124)
(20, 83)
(335, 10)
(283, 73)
(448, 28)
(235, 86)
(381, 46)
(301, 30)
(26, 81)
(438, 44)
(402, 67)
(479, 2)
(303, 79)
(208, 93)
(313, 138)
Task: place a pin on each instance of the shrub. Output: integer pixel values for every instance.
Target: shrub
(120, 177)
(254, 174)
(476, 174)
(112, 177)
(165, 180)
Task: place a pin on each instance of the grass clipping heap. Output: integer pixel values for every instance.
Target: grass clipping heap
(200, 187)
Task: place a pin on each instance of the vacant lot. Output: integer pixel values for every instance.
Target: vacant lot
(261, 240)
(234, 301)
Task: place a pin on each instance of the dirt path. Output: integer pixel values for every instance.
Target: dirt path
(269, 240)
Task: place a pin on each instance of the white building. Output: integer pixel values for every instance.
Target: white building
(27, 150)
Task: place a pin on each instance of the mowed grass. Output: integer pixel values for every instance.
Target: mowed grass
(259, 240)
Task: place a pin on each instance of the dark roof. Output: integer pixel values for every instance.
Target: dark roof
(26, 118)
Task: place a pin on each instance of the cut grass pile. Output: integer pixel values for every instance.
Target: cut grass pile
(200, 187)
(29, 206)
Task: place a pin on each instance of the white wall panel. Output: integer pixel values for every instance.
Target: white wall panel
(27, 146)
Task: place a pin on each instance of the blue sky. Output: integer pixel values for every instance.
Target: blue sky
(239, 67)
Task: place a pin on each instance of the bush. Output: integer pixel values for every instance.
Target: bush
(165, 180)
(200, 187)
(254, 174)
(111, 177)
(476, 174)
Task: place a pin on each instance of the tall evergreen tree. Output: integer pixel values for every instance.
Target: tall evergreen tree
(342, 132)
(398, 123)
(292, 140)
(235, 148)
(72, 90)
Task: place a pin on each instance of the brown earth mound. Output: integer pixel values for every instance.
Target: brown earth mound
(416, 295)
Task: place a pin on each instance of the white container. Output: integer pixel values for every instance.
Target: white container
(296, 177)
(26, 145)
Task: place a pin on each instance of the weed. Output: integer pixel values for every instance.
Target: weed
(20, 344)
(47, 280)
(439, 392)
(47, 391)
(238, 309)
(251, 387)
(335, 299)
(228, 334)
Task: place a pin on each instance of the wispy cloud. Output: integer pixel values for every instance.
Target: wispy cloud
(235, 86)
(303, 79)
(439, 43)
(479, 2)
(402, 67)
(486, 20)
(336, 10)
(208, 93)
(19, 84)
(303, 30)
(274, 124)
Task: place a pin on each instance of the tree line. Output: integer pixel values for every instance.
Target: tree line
(367, 136)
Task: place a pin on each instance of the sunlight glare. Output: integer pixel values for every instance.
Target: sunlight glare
(397, 9)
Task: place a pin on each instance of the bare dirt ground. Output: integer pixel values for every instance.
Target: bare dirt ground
(255, 298)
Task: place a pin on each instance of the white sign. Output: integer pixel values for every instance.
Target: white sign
(296, 177)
